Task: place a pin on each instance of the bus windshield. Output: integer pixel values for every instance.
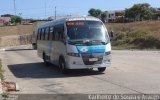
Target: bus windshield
(86, 30)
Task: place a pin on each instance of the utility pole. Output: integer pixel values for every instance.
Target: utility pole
(45, 9)
(20, 14)
(55, 12)
(15, 7)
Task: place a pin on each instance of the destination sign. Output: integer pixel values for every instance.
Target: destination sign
(78, 23)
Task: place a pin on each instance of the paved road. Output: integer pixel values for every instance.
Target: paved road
(131, 72)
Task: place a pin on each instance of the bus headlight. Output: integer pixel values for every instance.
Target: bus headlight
(73, 54)
(107, 53)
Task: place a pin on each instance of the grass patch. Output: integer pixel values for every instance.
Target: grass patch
(1, 71)
(137, 35)
(123, 47)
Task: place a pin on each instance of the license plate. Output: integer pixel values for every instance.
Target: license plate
(93, 59)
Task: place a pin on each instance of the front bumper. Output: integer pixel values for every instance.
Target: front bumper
(77, 63)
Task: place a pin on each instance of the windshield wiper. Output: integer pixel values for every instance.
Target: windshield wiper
(81, 42)
(75, 42)
(100, 41)
(104, 43)
(88, 42)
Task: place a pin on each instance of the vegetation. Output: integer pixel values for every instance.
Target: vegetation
(136, 35)
(95, 12)
(15, 20)
(98, 13)
(143, 33)
(103, 16)
(140, 12)
(1, 71)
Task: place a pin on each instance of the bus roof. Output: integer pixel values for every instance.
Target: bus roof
(83, 18)
(63, 20)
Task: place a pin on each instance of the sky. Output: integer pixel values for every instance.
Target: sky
(40, 9)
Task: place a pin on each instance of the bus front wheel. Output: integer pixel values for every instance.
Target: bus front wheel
(62, 66)
(101, 69)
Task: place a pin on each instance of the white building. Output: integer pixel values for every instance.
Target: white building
(114, 16)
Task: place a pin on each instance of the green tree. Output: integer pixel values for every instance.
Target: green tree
(15, 19)
(103, 16)
(98, 13)
(95, 12)
(140, 12)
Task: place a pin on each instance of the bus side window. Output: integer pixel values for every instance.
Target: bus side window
(51, 33)
(37, 34)
(46, 33)
(54, 36)
(43, 34)
(40, 35)
(56, 33)
(59, 32)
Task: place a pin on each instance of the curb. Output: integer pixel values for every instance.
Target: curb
(2, 49)
(28, 46)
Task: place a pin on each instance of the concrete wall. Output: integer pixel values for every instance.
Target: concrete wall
(16, 30)
(15, 40)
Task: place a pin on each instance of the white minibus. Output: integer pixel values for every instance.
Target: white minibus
(75, 43)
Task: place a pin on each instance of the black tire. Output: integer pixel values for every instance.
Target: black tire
(45, 60)
(34, 46)
(101, 69)
(62, 66)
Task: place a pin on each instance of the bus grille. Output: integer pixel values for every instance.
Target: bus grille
(87, 56)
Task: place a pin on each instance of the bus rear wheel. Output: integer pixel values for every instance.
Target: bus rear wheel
(62, 66)
(45, 60)
(34, 46)
(101, 69)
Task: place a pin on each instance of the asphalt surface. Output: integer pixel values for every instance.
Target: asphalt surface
(131, 72)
